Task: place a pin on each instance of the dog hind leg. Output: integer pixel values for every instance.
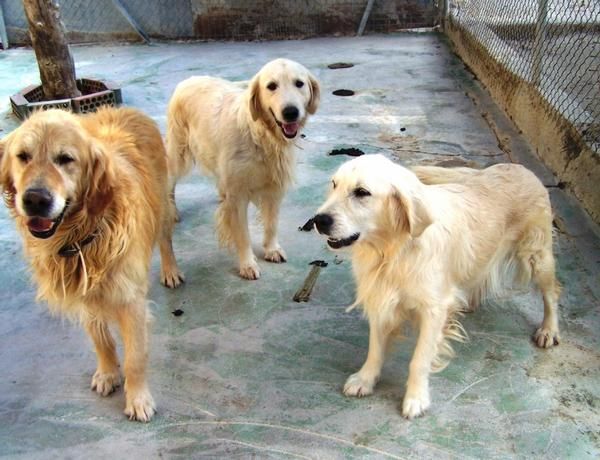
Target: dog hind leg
(170, 275)
(543, 269)
(537, 264)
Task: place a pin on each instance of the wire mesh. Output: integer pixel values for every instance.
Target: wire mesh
(552, 44)
(98, 20)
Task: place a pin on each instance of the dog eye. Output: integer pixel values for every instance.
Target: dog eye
(272, 86)
(63, 159)
(299, 83)
(24, 157)
(333, 184)
(361, 192)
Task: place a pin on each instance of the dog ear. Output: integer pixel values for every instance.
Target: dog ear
(100, 181)
(3, 177)
(6, 182)
(254, 99)
(315, 94)
(408, 214)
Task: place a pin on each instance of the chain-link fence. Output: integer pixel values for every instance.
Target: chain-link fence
(554, 45)
(101, 20)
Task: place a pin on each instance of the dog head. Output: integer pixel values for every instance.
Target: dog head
(283, 93)
(372, 200)
(50, 166)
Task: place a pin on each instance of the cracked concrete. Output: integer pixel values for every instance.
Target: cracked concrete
(245, 370)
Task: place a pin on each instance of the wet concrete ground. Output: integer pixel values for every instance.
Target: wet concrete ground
(245, 371)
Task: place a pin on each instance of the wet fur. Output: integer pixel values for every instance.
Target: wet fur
(120, 191)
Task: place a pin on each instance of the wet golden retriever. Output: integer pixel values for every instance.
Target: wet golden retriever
(89, 195)
(430, 243)
(243, 135)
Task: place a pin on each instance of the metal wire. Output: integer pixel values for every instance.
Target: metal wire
(99, 20)
(553, 44)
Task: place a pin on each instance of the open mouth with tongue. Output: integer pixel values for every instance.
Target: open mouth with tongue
(42, 227)
(337, 244)
(289, 129)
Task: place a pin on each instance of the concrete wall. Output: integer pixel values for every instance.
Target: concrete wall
(100, 20)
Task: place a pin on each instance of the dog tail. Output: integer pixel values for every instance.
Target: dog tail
(431, 175)
(179, 156)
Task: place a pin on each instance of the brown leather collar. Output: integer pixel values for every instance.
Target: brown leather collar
(70, 250)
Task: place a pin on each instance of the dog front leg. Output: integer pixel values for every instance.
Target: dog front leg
(363, 382)
(107, 376)
(269, 205)
(416, 399)
(232, 225)
(133, 322)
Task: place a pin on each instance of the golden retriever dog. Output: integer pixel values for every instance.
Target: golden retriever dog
(428, 244)
(244, 138)
(89, 195)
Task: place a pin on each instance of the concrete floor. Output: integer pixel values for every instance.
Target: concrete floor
(245, 371)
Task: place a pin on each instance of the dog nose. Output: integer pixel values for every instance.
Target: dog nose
(323, 222)
(290, 113)
(37, 201)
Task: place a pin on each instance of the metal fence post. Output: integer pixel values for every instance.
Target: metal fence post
(443, 7)
(365, 17)
(538, 44)
(119, 5)
(3, 34)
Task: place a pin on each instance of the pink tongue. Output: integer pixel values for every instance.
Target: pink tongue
(37, 224)
(290, 128)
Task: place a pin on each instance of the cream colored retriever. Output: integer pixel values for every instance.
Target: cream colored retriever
(90, 198)
(423, 253)
(244, 138)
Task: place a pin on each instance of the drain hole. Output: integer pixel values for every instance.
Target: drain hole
(343, 92)
(352, 152)
(340, 65)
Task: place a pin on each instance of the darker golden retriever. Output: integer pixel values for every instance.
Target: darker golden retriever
(89, 195)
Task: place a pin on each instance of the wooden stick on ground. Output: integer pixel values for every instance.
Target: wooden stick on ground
(303, 294)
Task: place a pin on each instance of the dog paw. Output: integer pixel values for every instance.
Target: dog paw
(140, 406)
(546, 337)
(172, 279)
(358, 386)
(250, 271)
(104, 383)
(276, 255)
(414, 405)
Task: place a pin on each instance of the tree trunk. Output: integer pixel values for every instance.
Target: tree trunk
(57, 71)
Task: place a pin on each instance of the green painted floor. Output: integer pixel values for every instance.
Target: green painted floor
(245, 371)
